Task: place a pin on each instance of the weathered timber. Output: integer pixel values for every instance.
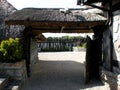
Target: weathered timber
(116, 7)
(64, 31)
(55, 24)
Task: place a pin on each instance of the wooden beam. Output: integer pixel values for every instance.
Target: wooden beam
(98, 7)
(39, 36)
(26, 44)
(56, 24)
(64, 31)
(59, 28)
(116, 7)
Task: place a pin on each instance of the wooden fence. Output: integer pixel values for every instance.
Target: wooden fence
(60, 44)
(56, 46)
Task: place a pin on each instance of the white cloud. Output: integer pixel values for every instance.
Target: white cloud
(19, 4)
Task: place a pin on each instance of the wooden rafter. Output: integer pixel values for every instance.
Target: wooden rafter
(39, 36)
(116, 7)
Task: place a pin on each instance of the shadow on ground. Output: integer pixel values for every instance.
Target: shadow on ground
(58, 75)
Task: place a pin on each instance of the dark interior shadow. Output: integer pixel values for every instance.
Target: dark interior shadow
(58, 75)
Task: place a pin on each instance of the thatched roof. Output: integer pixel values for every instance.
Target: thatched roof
(5, 32)
(34, 14)
(54, 20)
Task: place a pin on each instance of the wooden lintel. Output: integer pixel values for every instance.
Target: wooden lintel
(56, 24)
(116, 7)
(59, 28)
(64, 31)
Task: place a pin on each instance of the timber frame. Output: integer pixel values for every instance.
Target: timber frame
(68, 27)
(35, 26)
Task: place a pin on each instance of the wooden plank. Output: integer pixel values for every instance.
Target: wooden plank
(66, 24)
(56, 24)
(64, 31)
(116, 7)
(59, 28)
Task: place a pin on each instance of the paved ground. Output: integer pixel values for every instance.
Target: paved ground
(60, 71)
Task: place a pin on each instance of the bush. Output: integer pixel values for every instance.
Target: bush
(84, 45)
(10, 50)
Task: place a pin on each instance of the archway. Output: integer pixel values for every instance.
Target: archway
(38, 21)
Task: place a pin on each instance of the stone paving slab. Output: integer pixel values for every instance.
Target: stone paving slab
(60, 71)
(3, 82)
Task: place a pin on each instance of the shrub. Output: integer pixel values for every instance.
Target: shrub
(10, 50)
(84, 45)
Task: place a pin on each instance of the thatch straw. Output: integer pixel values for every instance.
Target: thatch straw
(48, 14)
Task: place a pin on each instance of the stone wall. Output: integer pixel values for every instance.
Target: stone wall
(112, 78)
(115, 32)
(33, 54)
(6, 31)
(116, 40)
(6, 9)
(14, 70)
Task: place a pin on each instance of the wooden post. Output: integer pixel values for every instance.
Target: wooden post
(111, 51)
(97, 50)
(27, 39)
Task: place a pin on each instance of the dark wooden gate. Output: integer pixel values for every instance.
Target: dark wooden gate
(88, 58)
(93, 59)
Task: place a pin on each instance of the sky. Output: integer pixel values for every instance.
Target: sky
(19, 4)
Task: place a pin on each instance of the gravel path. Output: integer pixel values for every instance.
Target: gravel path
(60, 71)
